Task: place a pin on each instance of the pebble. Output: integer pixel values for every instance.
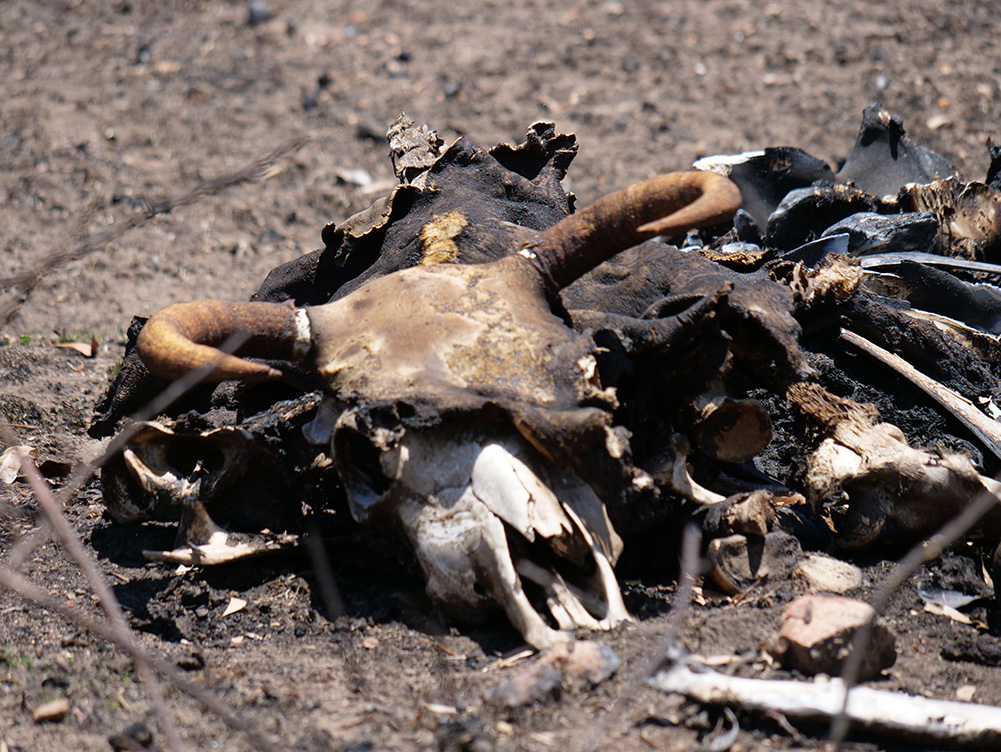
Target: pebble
(51, 712)
(257, 12)
(820, 573)
(532, 685)
(135, 737)
(590, 663)
(816, 634)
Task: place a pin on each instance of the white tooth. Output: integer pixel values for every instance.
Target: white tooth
(617, 611)
(562, 603)
(514, 493)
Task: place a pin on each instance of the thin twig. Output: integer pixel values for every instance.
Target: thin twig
(666, 642)
(112, 608)
(925, 551)
(23, 587)
(21, 285)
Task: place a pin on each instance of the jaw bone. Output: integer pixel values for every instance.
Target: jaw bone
(484, 517)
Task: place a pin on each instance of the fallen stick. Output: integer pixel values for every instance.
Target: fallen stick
(18, 288)
(985, 428)
(918, 719)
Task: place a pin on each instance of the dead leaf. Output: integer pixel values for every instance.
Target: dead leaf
(86, 349)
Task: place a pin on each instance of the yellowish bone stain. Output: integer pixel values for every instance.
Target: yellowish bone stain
(438, 238)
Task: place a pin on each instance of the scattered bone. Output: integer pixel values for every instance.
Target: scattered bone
(235, 604)
(728, 429)
(938, 291)
(816, 635)
(986, 429)
(896, 715)
(820, 573)
(892, 489)
(745, 514)
(890, 259)
(969, 215)
(739, 562)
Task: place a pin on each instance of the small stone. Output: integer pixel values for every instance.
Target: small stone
(816, 635)
(257, 12)
(51, 712)
(535, 684)
(740, 562)
(820, 573)
(135, 737)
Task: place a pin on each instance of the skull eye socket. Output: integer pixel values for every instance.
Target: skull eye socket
(359, 465)
(185, 454)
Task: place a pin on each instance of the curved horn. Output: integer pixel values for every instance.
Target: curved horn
(664, 205)
(186, 336)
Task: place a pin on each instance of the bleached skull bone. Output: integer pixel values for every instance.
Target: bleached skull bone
(489, 519)
(488, 503)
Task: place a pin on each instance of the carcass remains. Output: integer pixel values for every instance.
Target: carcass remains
(517, 387)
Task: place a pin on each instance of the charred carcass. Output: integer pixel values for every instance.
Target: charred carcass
(503, 483)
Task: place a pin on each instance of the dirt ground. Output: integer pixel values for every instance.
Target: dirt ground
(107, 108)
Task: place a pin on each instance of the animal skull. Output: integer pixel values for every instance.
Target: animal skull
(499, 493)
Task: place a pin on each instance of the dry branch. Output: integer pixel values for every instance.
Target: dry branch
(17, 289)
(116, 630)
(916, 718)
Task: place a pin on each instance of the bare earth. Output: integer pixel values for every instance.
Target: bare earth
(107, 108)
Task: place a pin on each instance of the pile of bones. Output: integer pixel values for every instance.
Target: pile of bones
(523, 389)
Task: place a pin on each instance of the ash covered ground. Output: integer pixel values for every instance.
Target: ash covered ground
(108, 110)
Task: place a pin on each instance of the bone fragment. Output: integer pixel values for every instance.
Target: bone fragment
(986, 429)
(728, 429)
(673, 473)
(218, 550)
(892, 259)
(901, 716)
